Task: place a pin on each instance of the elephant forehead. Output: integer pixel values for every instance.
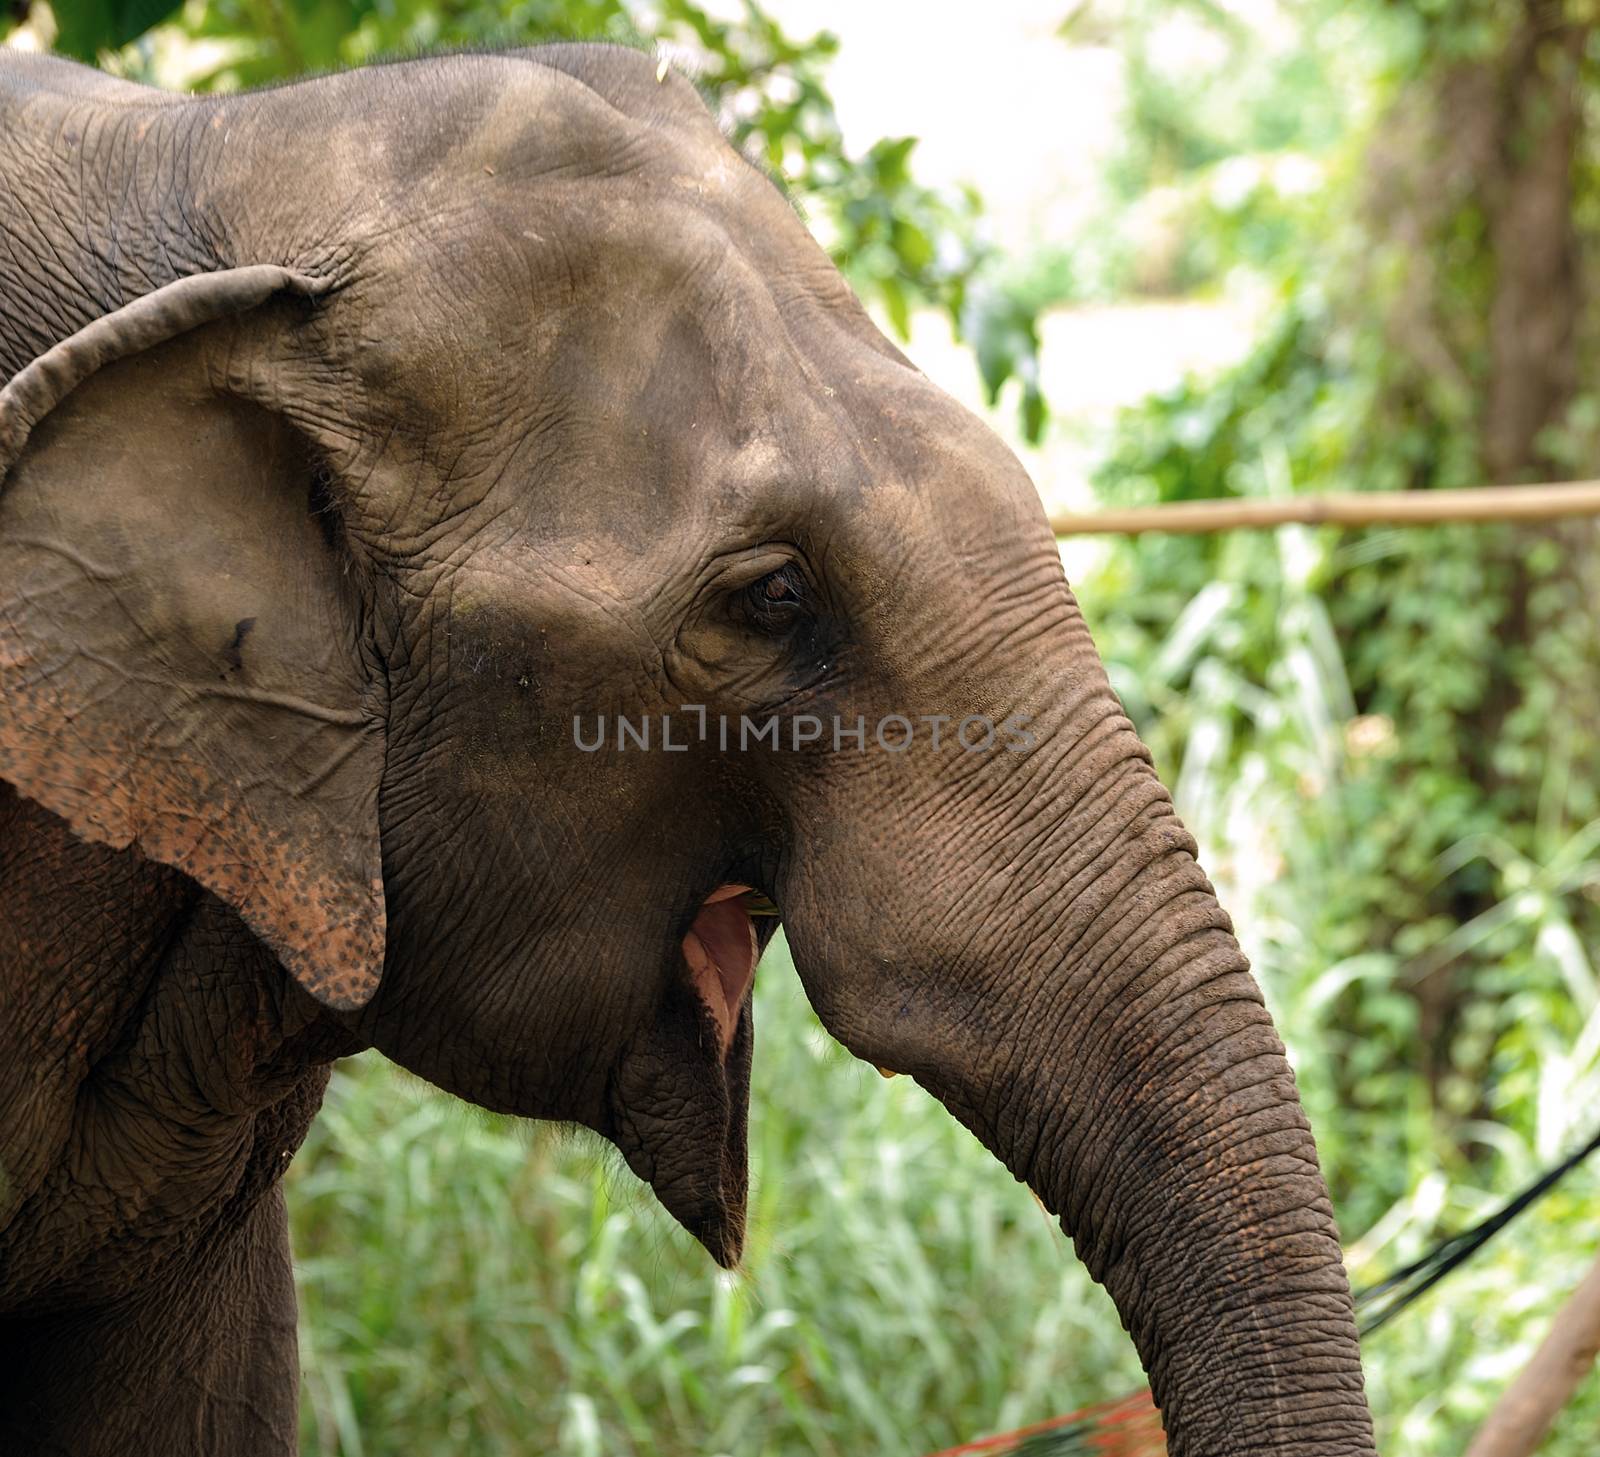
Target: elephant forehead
(574, 293)
(582, 345)
(662, 356)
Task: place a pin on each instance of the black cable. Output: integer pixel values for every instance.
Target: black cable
(1409, 1283)
(1458, 1248)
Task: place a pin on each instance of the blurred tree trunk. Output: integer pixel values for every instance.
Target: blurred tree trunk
(1472, 180)
(1537, 296)
(1533, 1401)
(1473, 172)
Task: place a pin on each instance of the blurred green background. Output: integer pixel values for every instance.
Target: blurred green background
(1370, 228)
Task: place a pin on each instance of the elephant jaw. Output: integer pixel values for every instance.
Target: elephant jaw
(720, 951)
(680, 1098)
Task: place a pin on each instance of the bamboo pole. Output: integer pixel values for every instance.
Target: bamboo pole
(1357, 508)
(1535, 1397)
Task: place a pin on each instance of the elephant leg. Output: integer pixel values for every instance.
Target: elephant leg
(203, 1362)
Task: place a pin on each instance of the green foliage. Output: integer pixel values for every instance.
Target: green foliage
(1223, 122)
(472, 1286)
(1203, 86)
(1003, 326)
(1386, 739)
(1316, 698)
(1401, 695)
(86, 27)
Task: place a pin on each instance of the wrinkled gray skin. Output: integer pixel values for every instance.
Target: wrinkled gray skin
(504, 391)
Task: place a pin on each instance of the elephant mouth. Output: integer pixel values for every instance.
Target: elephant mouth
(720, 950)
(680, 1097)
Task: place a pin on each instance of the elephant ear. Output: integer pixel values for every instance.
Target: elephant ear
(180, 668)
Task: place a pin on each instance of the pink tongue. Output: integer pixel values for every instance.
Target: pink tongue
(720, 948)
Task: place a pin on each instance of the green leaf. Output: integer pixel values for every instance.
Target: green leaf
(912, 244)
(85, 28)
(1035, 414)
(895, 305)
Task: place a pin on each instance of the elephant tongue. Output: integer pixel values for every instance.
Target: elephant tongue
(720, 949)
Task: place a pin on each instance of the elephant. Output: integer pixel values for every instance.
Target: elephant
(464, 551)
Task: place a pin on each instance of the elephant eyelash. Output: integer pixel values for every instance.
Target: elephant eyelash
(779, 601)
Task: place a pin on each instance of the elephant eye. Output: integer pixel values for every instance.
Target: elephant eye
(779, 600)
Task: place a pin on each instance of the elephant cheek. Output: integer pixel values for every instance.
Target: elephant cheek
(679, 1112)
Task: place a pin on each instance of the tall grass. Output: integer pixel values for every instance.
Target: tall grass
(474, 1285)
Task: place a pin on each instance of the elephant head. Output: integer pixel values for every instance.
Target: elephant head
(456, 514)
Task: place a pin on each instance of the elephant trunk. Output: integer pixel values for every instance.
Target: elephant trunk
(1111, 1048)
(1151, 1106)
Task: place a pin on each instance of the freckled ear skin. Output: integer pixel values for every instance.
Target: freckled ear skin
(179, 661)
